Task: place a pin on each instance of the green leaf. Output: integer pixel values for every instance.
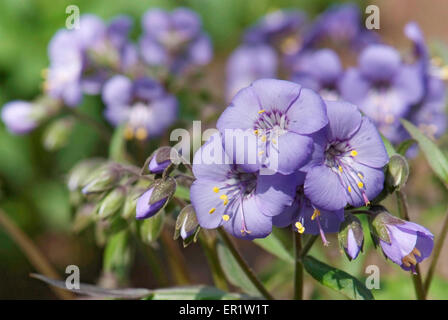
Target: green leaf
(337, 279)
(274, 246)
(234, 274)
(404, 146)
(436, 159)
(118, 255)
(389, 147)
(194, 293)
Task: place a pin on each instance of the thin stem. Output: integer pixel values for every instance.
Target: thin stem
(437, 249)
(209, 246)
(298, 266)
(176, 259)
(102, 130)
(154, 264)
(309, 243)
(403, 209)
(32, 252)
(243, 265)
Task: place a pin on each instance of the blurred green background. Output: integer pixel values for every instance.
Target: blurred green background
(32, 189)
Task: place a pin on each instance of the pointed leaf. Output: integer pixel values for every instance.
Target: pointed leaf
(274, 246)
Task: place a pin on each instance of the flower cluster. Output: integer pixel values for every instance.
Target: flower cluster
(384, 85)
(100, 58)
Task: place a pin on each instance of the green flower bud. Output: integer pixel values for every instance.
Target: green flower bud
(351, 236)
(112, 202)
(186, 223)
(103, 179)
(83, 217)
(57, 133)
(81, 173)
(150, 229)
(397, 172)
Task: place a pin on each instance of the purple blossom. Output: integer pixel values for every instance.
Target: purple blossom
(142, 104)
(18, 117)
(281, 29)
(320, 71)
(383, 87)
(339, 25)
(346, 165)
(226, 194)
(306, 217)
(82, 59)
(248, 63)
(267, 125)
(144, 209)
(174, 40)
(353, 248)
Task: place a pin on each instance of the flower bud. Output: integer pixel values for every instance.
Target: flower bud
(186, 223)
(351, 236)
(81, 173)
(397, 172)
(112, 202)
(160, 160)
(155, 198)
(103, 179)
(404, 242)
(130, 203)
(57, 133)
(150, 229)
(18, 117)
(83, 217)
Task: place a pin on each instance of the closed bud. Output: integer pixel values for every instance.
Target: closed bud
(163, 189)
(150, 229)
(81, 173)
(397, 172)
(150, 202)
(112, 202)
(57, 133)
(160, 160)
(186, 223)
(351, 236)
(83, 217)
(379, 219)
(103, 179)
(130, 203)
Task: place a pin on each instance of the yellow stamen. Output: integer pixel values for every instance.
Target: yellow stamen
(261, 111)
(225, 217)
(215, 189)
(212, 210)
(316, 213)
(225, 202)
(141, 133)
(261, 152)
(360, 176)
(340, 169)
(417, 252)
(128, 133)
(256, 132)
(353, 153)
(349, 189)
(360, 185)
(300, 228)
(263, 138)
(223, 197)
(274, 141)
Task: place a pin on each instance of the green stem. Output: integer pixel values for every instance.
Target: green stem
(309, 243)
(298, 266)
(102, 130)
(32, 252)
(243, 265)
(176, 259)
(154, 264)
(209, 246)
(403, 209)
(436, 253)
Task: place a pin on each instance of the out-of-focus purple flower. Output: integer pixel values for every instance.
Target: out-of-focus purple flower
(281, 29)
(174, 40)
(146, 210)
(243, 202)
(320, 71)
(267, 125)
(143, 105)
(82, 59)
(383, 87)
(248, 63)
(404, 242)
(18, 117)
(347, 162)
(339, 26)
(306, 218)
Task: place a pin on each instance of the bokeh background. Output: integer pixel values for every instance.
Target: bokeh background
(32, 188)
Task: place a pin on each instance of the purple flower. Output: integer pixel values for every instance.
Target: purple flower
(18, 117)
(340, 26)
(174, 40)
(281, 29)
(320, 71)
(404, 242)
(243, 202)
(143, 105)
(144, 209)
(306, 217)
(248, 63)
(383, 87)
(82, 59)
(267, 125)
(351, 236)
(346, 165)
